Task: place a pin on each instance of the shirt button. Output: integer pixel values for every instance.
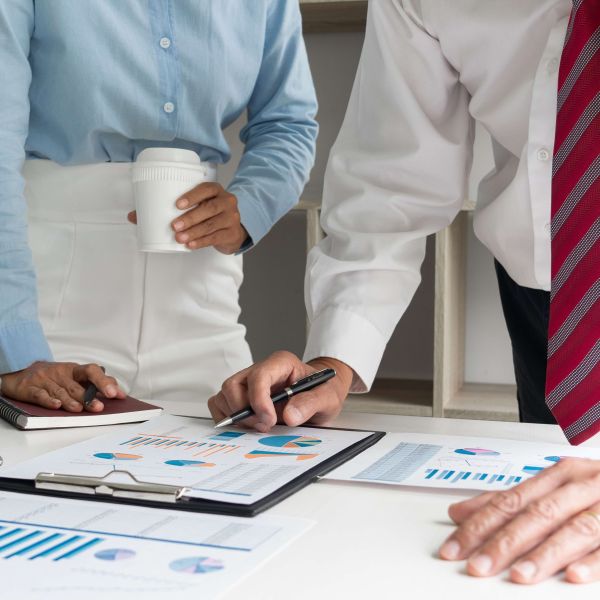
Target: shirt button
(168, 107)
(165, 42)
(543, 154)
(552, 66)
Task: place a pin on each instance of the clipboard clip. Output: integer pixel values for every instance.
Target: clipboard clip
(126, 485)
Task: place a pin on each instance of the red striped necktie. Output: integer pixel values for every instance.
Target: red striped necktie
(573, 374)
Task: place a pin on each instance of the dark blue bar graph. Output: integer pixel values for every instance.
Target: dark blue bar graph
(57, 547)
(36, 545)
(20, 540)
(79, 549)
(33, 543)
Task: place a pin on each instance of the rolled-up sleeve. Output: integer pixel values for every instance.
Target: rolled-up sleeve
(281, 132)
(397, 173)
(22, 340)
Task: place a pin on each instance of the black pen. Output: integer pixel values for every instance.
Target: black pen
(302, 385)
(89, 395)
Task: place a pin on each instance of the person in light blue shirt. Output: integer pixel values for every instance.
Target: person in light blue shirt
(95, 82)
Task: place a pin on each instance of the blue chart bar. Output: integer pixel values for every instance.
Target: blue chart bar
(36, 545)
(10, 532)
(19, 540)
(57, 547)
(32, 543)
(459, 476)
(79, 549)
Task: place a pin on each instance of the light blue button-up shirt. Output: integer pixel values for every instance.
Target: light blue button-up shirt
(85, 81)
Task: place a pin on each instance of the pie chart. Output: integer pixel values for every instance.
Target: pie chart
(115, 554)
(188, 463)
(196, 564)
(289, 441)
(477, 452)
(117, 456)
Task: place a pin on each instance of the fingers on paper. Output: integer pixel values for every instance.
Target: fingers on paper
(584, 570)
(500, 508)
(574, 540)
(538, 527)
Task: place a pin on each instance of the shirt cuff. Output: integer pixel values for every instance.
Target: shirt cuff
(21, 344)
(252, 217)
(346, 336)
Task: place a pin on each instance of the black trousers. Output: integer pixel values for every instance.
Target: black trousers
(526, 312)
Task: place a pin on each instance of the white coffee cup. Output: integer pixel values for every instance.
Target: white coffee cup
(161, 176)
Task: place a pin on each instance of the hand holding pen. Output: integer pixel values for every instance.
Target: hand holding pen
(302, 385)
(253, 387)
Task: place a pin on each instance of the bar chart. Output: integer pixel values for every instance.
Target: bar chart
(196, 448)
(452, 476)
(38, 543)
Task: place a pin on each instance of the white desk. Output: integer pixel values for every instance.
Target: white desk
(370, 542)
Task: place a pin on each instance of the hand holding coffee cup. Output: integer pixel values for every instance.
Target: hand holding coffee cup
(167, 181)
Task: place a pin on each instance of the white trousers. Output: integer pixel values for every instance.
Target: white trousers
(165, 325)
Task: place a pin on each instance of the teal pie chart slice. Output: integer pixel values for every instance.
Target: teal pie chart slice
(114, 554)
(196, 565)
(290, 441)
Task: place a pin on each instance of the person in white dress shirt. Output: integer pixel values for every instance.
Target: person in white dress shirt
(397, 173)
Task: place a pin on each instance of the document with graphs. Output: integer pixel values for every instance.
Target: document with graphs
(54, 548)
(185, 461)
(454, 462)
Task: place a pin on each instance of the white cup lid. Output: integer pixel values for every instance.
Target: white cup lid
(178, 155)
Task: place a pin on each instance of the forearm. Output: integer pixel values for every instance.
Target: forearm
(22, 341)
(396, 174)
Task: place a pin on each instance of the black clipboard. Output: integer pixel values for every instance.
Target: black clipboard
(171, 497)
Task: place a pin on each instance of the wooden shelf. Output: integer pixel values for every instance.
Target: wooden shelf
(394, 397)
(493, 402)
(334, 16)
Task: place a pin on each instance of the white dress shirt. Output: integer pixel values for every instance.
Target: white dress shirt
(398, 171)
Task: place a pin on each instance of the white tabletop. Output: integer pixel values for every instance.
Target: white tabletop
(369, 541)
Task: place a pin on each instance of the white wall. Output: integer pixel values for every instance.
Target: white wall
(272, 294)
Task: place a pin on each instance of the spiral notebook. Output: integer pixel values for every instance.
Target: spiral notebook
(30, 416)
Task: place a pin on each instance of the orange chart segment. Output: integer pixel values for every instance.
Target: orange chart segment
(270, 454)
(117, 456)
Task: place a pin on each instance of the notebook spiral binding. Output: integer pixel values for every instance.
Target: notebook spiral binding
(8, 412)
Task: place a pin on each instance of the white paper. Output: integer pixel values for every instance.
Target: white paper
(232, 465)
(71, 549)
(455, 462)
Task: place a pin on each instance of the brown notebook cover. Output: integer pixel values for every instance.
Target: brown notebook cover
(31, 416)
